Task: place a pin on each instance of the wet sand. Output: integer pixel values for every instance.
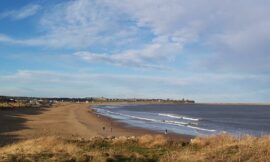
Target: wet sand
(65, 120)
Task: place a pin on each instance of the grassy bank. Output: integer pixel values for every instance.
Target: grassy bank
(145, 148)
(22, 104)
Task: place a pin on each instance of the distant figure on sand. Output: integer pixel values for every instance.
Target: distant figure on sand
(166, 131)
(103, 128)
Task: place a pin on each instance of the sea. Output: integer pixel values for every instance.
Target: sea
(193, 119)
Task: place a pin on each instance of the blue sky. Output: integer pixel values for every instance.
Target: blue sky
(206, 50)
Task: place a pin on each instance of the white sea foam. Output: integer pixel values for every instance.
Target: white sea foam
(188, 125)
(178, 117)
(175, 122)
(171, 116)
(202, 129)
(141, 118)
(131, 116)
(193, 119)
(170, 122)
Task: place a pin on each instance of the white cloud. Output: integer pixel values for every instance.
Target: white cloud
(21, 13)
(29, 42)
(209, 87)
(81, 24)
(85, 24)
(237, 32)
(50, 77)
(147, 57)
(246, 50)
(163, 17)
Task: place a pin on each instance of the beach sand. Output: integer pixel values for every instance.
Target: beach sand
(65, 120)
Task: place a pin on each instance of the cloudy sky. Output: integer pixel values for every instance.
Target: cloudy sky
(206, 50)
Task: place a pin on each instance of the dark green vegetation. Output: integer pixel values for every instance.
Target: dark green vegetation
(10, 101)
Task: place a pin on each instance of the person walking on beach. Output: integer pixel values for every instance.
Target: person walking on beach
(166, 131)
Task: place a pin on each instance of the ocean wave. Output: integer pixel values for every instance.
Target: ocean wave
(170, 122)
(178, 117)
(202, 129)
(131, 116)
(111, 107)
(189, 125)
(175, 122)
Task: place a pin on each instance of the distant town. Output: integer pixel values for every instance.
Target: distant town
(15, 101)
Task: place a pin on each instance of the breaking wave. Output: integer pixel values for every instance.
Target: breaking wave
(178, 117)
(169, 122)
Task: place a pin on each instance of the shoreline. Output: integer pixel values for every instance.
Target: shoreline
(138, 131)
(65, 120)
(172, 103)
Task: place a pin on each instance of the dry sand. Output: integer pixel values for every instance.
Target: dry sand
(65, 120)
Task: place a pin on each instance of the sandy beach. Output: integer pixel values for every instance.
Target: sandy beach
(65, 120)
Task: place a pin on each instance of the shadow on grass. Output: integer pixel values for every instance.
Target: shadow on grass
(121, 158)
(11, 121)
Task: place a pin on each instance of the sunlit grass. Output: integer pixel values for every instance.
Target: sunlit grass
(146, 148)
